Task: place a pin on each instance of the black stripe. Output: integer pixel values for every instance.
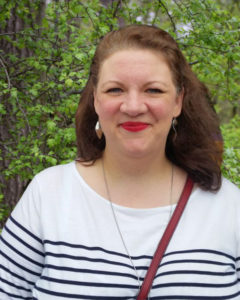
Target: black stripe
(25, 230)
(94, 249)
(20, 253)
(193, 284)
(197, 261)
(14, 296)
(56, 243)
(92, 284)
(18, 265)
(98, 260)
(23, 242)
(195, 272)
(201, 251)
(88, 271)
(134, 277)
(14, 285)
(15, 275)
(77, 296)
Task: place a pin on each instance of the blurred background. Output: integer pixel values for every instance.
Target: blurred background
(45, 51)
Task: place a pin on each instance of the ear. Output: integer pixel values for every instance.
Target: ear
(95, 101)
(179, 103)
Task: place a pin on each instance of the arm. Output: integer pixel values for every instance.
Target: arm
(21, 248)
(238, 242)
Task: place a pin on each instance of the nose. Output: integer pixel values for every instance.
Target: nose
(133, 104)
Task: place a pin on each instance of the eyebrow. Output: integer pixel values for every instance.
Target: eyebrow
(111, 81)
(156, 81)
(147, 83)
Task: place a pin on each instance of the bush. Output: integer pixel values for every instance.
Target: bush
(231, 164)
(45, 52)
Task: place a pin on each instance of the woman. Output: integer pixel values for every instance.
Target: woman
(89, 229)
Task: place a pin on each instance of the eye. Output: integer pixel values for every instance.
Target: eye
(114, 90)
(154, 91)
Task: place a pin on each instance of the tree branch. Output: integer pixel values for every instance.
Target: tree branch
(9, 87)
(119, 4)
(194, 62)
(169, 15)
(6, 72)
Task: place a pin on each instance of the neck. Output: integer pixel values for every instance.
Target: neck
(137, 184)
(139, 167)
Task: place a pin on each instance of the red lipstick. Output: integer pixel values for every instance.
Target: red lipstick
(134, 126)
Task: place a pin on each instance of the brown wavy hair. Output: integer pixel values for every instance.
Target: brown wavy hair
(195, 148)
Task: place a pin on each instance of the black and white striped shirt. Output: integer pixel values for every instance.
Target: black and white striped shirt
(61, 242)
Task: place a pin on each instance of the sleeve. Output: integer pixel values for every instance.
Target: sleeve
(238, 240)
(21, 247)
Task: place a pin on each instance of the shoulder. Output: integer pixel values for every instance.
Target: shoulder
(58, 169)
(49, 180)
(227, 196)
(229, 190)
(221, 207)
(225, 199)
(55, 173)
(52, 178)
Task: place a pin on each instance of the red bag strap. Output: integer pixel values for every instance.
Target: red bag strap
(162, 246)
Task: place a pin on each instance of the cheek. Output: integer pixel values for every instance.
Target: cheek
(106, 109)
(160, 110)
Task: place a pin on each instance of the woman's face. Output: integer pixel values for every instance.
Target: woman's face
(136, 100)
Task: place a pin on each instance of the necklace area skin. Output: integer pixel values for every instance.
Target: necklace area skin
(116, 219)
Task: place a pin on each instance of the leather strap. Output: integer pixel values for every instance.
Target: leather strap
(162, 246)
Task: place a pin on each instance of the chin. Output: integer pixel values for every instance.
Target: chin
(137, 150)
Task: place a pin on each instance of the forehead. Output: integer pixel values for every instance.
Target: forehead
(135, 64)
(134, 54)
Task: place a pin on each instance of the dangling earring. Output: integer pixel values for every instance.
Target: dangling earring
(174, 124)
(98, 130)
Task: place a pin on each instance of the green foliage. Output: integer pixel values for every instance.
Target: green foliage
(45, 86)
(231, 165)
(45, 62)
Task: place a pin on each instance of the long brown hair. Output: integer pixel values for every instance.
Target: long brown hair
(194, 149)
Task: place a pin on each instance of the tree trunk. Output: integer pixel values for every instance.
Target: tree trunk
(12, 187)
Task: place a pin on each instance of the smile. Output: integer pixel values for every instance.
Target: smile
(134, 126)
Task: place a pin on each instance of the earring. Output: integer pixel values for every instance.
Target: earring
(98, 130)
(174, 124)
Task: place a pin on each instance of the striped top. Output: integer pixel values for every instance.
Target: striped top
(61, 242)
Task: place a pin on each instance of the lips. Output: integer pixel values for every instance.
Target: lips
(134, 126)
